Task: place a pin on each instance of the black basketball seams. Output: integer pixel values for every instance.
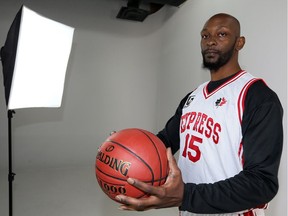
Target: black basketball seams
(111, 176)
(136, 156)
(159, 159)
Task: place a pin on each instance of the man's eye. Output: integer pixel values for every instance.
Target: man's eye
(222, 34)
(204, 36)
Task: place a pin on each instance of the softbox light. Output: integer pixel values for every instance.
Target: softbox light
(34, 59)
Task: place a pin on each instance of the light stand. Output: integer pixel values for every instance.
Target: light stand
(11, 174)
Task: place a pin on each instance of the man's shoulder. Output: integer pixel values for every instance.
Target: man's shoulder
(259, 93)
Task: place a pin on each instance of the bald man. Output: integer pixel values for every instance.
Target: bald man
(229, 135)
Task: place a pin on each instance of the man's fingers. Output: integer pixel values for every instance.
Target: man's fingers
(130, 203)
(147, 188)
(173, 168)
(170, 157)
(126, 208)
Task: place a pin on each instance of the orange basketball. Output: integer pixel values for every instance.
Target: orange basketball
(135, 153)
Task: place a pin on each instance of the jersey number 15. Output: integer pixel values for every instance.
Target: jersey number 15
(191, 149)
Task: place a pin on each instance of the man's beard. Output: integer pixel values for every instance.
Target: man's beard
(222, 60)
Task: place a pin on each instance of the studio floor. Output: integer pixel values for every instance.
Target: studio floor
(61, 192)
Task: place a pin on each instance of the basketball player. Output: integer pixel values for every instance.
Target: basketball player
(228, 133)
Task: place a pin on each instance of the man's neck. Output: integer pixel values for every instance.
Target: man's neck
(224, 72)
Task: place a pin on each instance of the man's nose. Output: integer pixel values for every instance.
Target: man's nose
(211, 41)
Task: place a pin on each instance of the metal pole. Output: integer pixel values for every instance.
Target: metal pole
(11, 174)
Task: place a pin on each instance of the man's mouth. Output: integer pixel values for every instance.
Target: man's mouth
(211, 53)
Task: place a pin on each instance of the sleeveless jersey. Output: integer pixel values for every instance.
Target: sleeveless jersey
(210, 132)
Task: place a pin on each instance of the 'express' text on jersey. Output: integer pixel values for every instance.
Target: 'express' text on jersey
(201, 123)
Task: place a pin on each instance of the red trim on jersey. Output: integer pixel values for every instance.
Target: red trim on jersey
(241, 107)
(250, 213)
(242, 96)
(263, 206)
(205, 89)
(240, 154)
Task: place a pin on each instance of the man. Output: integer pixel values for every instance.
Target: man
(229, 135)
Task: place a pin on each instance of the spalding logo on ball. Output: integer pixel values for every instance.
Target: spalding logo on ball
(135, 153)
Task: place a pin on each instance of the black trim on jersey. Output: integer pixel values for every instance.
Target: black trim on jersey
(262, 133)
(212, 85)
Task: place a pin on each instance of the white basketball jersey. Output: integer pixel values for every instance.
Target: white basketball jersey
(210, 132)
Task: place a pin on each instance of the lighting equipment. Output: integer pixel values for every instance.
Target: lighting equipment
(34, 60)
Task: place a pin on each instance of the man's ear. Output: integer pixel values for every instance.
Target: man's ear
(240, 43)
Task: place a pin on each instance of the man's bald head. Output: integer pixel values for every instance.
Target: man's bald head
(229, 19)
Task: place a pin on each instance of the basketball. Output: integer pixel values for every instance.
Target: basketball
(134, 153)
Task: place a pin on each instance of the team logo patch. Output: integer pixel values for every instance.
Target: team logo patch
(189, 100)
(220, 102)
